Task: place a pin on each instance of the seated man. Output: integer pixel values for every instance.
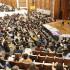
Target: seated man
(39, 48)
(25, 59)
(59, 66)
(28, 50)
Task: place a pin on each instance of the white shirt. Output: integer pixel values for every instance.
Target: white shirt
(28, 51)
(11, 58)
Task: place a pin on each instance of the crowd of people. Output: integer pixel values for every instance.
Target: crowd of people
(5, 8)
(22, 35)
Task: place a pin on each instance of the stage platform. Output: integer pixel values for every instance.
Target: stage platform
(64, 28)
(58, 29)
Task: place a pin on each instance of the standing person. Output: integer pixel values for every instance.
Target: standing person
(5, 45)
(1, 46)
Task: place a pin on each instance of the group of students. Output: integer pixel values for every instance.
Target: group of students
(22, 35)
(5, 8)
(19, 34)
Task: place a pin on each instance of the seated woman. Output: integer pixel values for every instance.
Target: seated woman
(25, 59)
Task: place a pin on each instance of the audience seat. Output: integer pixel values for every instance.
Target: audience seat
(67, 61)
(40, 66)
(43, 53)
(51, 54)
(59, 60)
(36, 52)
(49, 59)
(34, 57)
(58, 54)
(41, 59)
(47, 67)
(24, 66)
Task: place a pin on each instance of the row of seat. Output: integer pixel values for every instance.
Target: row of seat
(25, 66)
(43, 53)
(48, 59)
(41, 66)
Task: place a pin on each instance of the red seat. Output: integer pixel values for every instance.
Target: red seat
(51, 54)
(47, 67)
(40, 66)
(49, 59)
(36, 52)
(43, 53)
(34, 57)
(59, 60)
(67, 61)
(41, 58)
(58, 55)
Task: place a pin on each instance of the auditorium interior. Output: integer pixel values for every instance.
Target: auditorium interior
(35, 32)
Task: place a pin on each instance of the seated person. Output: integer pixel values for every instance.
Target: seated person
(15, 68)
(2, 62)
(59, 66)
(33, 67)
(39, 48)
(28, 50)
(18, 50)
(11, 58)
(25, 59)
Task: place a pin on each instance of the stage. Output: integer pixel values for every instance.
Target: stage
(64, 28)
(59, 28)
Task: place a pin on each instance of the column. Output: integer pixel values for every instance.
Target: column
(52, 8)
(27, 4)
(17, 3)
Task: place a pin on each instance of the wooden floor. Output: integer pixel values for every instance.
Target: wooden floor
(64, 29)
